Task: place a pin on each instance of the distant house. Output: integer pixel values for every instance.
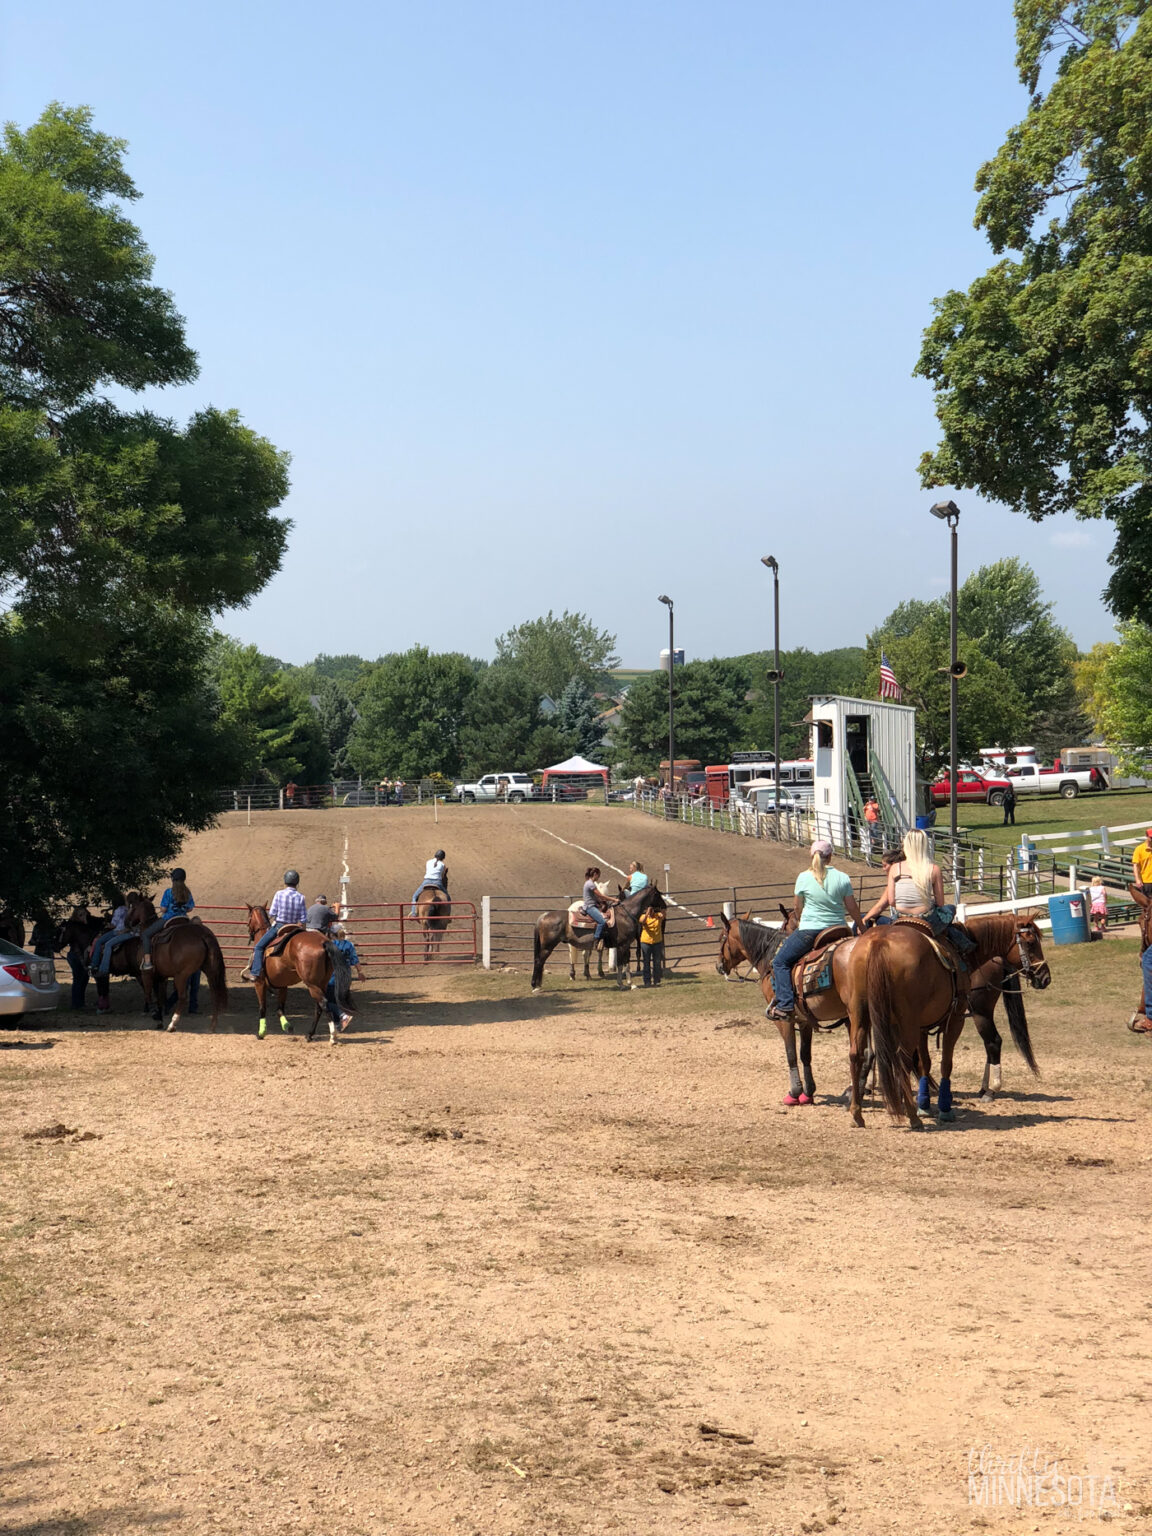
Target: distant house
(548, 706)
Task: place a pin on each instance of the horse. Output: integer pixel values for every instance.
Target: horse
(307, 958)
(574, 953)
(182, 949)
(434, 910)
(1140, 1023)
(899, 991)
(991, 982)
(552, 927)
(743, 940)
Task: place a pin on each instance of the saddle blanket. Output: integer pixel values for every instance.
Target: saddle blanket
(816, 970)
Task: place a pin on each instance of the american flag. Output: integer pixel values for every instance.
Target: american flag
(889, 687)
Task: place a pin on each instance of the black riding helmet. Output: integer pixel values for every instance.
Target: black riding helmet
(440, 854)
(291, 877)
(179, 874)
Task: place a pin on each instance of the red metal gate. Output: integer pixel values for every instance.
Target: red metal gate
(384, 933)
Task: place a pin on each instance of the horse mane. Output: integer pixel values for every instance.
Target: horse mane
(760, 943)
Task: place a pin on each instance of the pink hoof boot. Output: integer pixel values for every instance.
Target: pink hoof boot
(804, 1099)
(788, 1099)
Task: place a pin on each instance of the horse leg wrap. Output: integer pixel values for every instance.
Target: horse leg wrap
(262, 1031)
(944, 1098)
(285, 1025)
(924, 1094)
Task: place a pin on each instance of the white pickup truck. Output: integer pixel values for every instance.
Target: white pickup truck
(514, 787)
(1028, 779)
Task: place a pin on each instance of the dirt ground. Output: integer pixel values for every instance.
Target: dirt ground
(490, 1264)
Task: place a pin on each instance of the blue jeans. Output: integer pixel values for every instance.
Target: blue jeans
(102, 950)
(599, 919)
(150, 933)
(425, 885)
(794, 948)
(262, 944)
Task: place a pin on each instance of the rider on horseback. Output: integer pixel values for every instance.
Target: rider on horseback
(916, 889)
(287, 906)
(176, 902)
(595, 905)
(824, 899)
(435, 874)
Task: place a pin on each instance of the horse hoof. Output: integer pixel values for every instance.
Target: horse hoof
(928, 1115)
(987, 1098)
(171, 1025)
(790, 1100)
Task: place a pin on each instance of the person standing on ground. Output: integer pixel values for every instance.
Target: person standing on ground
(824, 899)
(321, 916)
(637, 879)
(344, 944)
(652, 946)
(1009, 807)
(1142, 864)
(1098, 900)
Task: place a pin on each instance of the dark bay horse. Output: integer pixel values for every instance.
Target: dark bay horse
(900, 992)
(434, 911)
(554, 927)
(180, 950)
(307, 959)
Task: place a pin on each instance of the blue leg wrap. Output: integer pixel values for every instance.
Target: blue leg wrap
(923, 1095)
(945, 1095)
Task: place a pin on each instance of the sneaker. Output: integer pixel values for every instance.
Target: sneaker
(246, 975)
(146, 963)
(345, 1020)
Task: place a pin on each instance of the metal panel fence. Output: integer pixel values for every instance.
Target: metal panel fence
(691, 936)
(385, 934)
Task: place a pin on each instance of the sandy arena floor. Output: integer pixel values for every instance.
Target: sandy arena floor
(489, 1265)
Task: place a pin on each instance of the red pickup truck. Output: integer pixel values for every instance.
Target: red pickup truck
(970, 786)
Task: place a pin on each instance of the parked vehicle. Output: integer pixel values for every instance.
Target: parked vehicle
(514, 787)
(764, 798)
(971, 787)
(1028, 779)
(27, 983)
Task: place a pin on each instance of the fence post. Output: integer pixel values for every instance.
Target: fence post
(403, 920)
(486, 932)
(1072, 876)
(281, 799)
(249, 810)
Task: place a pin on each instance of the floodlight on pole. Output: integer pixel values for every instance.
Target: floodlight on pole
(671, 706)
(775, 677)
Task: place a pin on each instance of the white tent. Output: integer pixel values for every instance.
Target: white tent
(576, 768)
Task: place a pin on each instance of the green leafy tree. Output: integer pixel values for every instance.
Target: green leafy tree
(1041, 369)
(710, 711)
(1123, 696)
(805, 673)
(1089, 682)
(337, 716)
(501, 719)
(120, 533)
(551, 650)
(282, 733)
(413, 708)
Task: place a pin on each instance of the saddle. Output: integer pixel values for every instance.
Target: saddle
(579, 919)
(280, 942)
(179, 921)
(813, 975)
(945, 951)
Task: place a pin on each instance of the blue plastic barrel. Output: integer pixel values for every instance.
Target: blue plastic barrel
(1069, 914)
(926, 823)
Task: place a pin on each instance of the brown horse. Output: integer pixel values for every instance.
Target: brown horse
(307, 959)
(434, 910)
(1140, 1023)
(181, 949)
(552, 927)
(900, 991)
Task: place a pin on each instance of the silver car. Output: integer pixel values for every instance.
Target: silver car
(27, 983)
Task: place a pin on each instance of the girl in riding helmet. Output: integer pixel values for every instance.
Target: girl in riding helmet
(435, 873)
(175, 902)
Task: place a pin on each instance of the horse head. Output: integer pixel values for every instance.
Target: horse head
(732, 951)
(141, 911)
(1027, 952)
(258, 921)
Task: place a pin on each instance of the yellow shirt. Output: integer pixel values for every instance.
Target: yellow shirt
(1142, 864)
(652, 928)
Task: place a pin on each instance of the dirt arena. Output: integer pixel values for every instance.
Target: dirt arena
(494, 1263)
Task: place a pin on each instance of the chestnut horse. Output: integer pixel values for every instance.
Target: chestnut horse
(308, 958)
(180, 950)
(434, 911)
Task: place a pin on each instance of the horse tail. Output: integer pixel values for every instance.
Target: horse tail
(891, 1065)
(215, 970)
(342, 975)
(1018, 1020)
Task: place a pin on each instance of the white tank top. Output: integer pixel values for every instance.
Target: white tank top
(433, 869)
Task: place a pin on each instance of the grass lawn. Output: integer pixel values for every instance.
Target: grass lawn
(1036, 814)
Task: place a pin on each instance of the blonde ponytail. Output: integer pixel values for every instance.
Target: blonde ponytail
(918, 860)
(818, 867)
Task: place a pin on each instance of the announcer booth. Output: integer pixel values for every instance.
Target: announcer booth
(574, 774)
(862, 748)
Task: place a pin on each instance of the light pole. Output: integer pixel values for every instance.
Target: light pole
(948, 512)
(775, 677)
(671, 707)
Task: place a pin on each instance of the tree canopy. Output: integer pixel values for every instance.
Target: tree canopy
(553, 650)
(121, 533)
(709, 714)
(1043, 367)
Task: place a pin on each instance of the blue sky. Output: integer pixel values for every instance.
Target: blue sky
(566, 305)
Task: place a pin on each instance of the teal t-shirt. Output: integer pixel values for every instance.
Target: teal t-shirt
(823, 904)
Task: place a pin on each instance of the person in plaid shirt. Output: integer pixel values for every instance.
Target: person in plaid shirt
(287, 906)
